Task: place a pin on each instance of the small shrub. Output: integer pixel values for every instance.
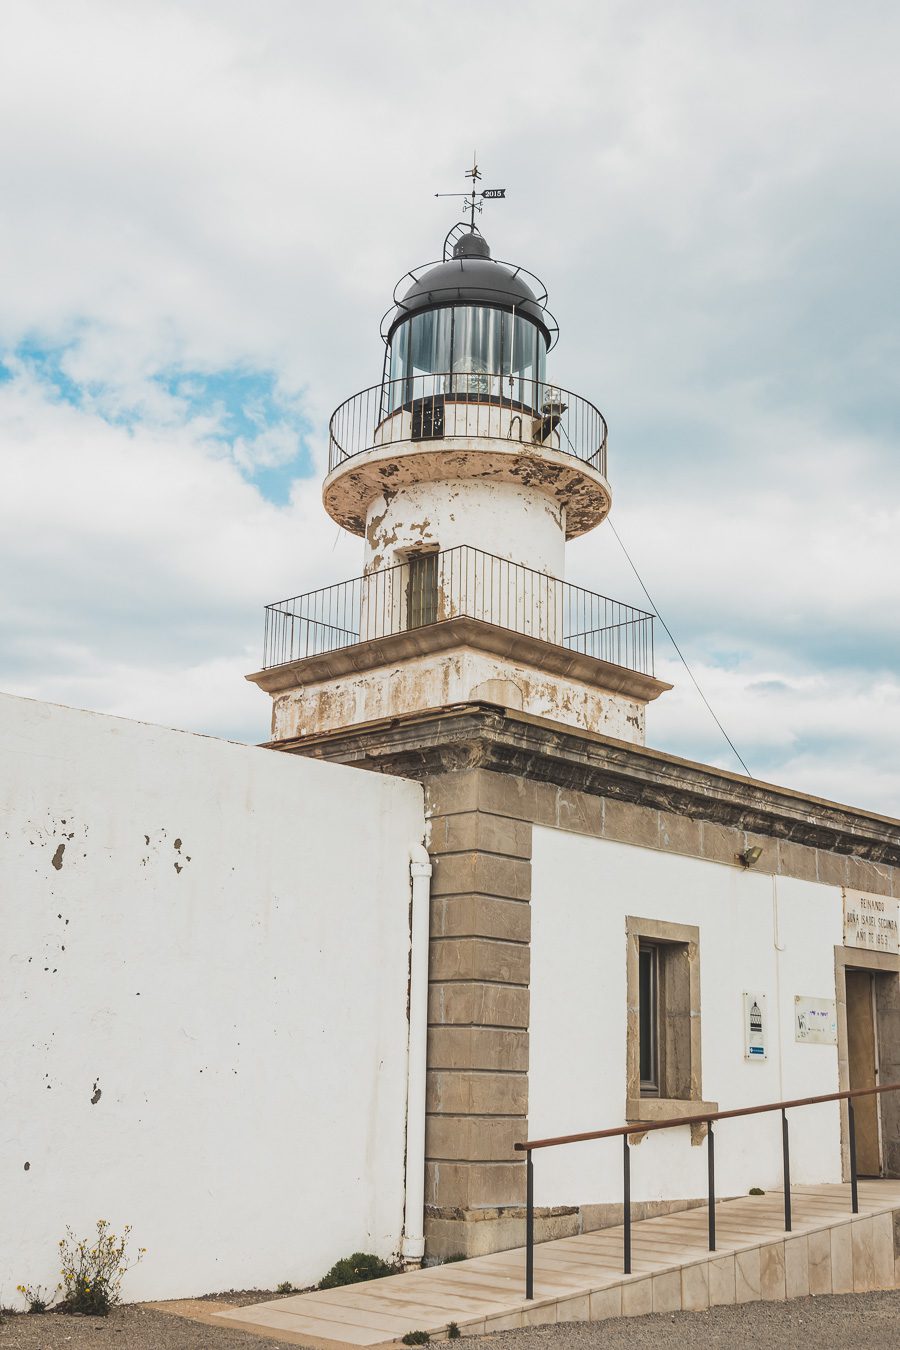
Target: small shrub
(37, 1298)
(92, 1272)
(356, 1268)
(453, 1332)
(285, 1287)
(416, 1338)
(756, 1190)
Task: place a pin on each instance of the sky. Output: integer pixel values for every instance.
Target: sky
(204, 208)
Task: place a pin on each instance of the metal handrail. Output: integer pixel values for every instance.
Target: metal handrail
(706, 1118)
(475, 405)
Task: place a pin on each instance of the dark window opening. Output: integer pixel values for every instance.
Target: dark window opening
(422, 590)
(648, 1017)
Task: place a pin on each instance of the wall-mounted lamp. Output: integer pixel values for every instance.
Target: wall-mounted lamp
(750, 856)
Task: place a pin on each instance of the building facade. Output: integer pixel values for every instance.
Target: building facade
(281, 1030)
(609, 926)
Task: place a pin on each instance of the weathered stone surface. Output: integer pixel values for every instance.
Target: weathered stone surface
(451, 1047)
(480, 916)
(796, 860)
(487, 873)
(629, 823)
(678, 834)
(477, 1004)
(466, 831)
(474, 1183)
(473, 1138)
(530, 753)
(479, 959)
(477, 1093)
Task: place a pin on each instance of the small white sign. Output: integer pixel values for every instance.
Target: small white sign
(756, 1028)
(871, 921)
(815, 1020)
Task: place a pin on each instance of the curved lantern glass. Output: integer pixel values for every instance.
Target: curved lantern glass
(468, 351)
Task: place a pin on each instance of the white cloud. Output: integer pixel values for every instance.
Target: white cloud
(710, 193)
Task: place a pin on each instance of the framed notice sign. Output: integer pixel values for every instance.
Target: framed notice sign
(870, 921)
(815, 1020)
(756, 1031)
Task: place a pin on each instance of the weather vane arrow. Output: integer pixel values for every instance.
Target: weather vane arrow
(472, 198)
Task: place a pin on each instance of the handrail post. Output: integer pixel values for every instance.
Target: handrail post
(851, 1130)
(711, 1168)
(786, 1165)
(529, 1225)
(626, 1206)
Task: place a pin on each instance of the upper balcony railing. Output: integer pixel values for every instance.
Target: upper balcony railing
(468, 405)
(461, 582)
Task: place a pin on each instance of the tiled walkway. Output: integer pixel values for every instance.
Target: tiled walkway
(580, 1278)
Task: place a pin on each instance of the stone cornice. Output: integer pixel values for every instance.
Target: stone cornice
(452, 635)
(483, 736)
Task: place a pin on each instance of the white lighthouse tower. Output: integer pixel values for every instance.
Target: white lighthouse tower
(464, 471)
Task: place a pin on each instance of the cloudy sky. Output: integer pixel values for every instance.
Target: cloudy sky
(203, 211)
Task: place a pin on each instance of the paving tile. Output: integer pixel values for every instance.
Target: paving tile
(606, 1303)
(637, 1297)
(796, 1267)
(695, 1287)
(667, 1292)
(574, 1309)
(504, 1322)
(722, 1281)
(747, 1282)
(883, 1232)
(862, 1233)
(819, 1248)
(538, 1316)
(841, 1259)
(771, 1270)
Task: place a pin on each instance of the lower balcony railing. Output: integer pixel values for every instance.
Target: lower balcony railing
(431, 588)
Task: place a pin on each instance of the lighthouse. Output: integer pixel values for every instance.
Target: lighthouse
(464, 471)
(461, 657)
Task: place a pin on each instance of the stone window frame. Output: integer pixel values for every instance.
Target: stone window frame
(691, 1102)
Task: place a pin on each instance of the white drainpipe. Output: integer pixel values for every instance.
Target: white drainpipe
(414, 1210)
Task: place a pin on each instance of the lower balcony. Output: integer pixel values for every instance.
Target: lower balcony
(463, 582)
(455, 627)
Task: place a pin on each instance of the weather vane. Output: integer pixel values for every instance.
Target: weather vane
(471, 198)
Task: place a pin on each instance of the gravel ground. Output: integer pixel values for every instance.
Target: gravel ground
(842, 1323)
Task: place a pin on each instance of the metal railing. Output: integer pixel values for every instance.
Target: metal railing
(624, 1131)
(468, 405)
(461, 582)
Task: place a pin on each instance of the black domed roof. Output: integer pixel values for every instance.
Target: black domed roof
(471, 277)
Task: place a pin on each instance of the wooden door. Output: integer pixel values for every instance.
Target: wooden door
(863, 1057)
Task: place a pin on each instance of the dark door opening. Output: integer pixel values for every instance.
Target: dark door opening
(862, 1054)
(422, 590)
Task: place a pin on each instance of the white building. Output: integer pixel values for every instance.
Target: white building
(232, 1018)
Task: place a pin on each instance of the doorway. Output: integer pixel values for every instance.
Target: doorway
(862, 1055)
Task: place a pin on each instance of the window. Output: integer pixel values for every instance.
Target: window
(648, 1015)
(663, 1038)
(422, 590)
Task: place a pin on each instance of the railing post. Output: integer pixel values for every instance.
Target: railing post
(786, 1170)
(626, 1206)
(711, 1169)
(851, 1129)
(529, 1225)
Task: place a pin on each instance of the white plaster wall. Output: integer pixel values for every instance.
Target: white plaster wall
(435, 681)
(515, 522)
(582, 891)
(218, 955)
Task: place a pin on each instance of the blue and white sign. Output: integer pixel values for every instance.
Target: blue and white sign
(755, 1026)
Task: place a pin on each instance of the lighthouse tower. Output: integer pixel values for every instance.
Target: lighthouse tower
(464, 471)
(460, 656)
